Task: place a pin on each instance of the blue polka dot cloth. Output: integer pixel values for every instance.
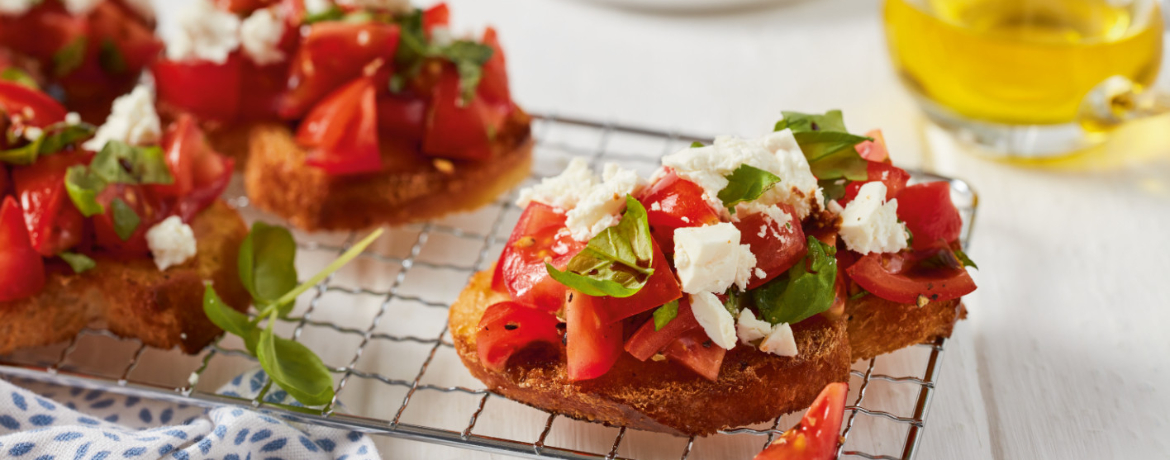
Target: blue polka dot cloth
(44, 421)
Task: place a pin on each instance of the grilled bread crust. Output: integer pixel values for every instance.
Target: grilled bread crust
(132, 298)
(877, 326)
(660, 396)
(410, 188)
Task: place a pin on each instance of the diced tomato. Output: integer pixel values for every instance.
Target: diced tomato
(672, 203)
(203, 88)
(892, 176)
(342, 131)
(695, 350)
(4, 180)
(43, 31)
(200, 174)
(438, 15)
(33, 107)
(777, 247)
(817, 434)
(930, 214)
(593, 346)
(874, 150)
(22, 271)
(331, 54)
(540, 235)
(135, 42)
(147, 209)
(262, 89)
(453, 129)
(647, 341)
(903, 277)
(402, 117)
(493, 87)
(662, 287)
(41, 190)
(508, 327)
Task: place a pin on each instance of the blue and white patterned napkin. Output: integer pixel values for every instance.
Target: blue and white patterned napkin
(53, 422)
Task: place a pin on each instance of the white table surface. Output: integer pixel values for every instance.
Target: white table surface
(1064, 354)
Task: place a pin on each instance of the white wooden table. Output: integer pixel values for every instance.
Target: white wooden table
(1064, 354)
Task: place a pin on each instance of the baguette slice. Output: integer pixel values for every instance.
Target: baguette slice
(411, 187)
(132, 298)
(877, 326)
(661, 396)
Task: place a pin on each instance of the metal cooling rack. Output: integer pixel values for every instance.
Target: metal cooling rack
(396, 366)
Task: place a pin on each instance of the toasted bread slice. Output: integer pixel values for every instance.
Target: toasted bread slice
(132, 298)
(661, 396)
(410, 188)
(877, 326)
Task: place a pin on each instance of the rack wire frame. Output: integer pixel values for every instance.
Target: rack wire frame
(57, 371)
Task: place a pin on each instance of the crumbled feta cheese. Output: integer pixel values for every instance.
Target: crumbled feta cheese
(772, 213)
(32, 133)
(317, 6)
(750, 329)
(260, 36)
(714, 318)
(442, 36)
(686, 219)
(655, 206)
(132, 120)
(171, 242)
(834, 207)
(598, 210)
(15, 7)
(80, 7)
(72, 118)
(780, 341)
(562, 191)
(392, 6)
(760, 273)
(203, 32)
(870, 224)
(707, 259)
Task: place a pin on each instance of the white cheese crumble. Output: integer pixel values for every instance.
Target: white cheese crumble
(32, 133)
(760, 273)
(834, 207)
(132, 120)
(599, 209)
(655, 206)
(562, 191)
(171, 242)
(80, 7)
(317, 6)
(72, 118)
(15, 7)
(260, 36)
(714, 318)
(442, 36)
(870, 224)
(780, 341)
(710, 258)
(751, 329)
(203, 32)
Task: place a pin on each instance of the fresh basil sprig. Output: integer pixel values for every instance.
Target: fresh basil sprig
(807, 289)
(69, 58)
(19, 77)
(126, 220)
(54, 138)
(468, 56)
(77, 261)
(746, 183)
(828, 147)
(614, 263)
(116, 163)
(665, 314)
(266, 264)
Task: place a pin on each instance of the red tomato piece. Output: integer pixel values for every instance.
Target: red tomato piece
(593, 346)
(817, 434)
(331, 54)
(647, 341)
(930, 214)
(902, 277)
(695, 350)
(508, 327)
(32, 107)
(776, 247)
(402, 117)
(22, 271)
(342, 131)
(453, 129)
(874, 150)
(203, 88)
(127, 31)
(41, 190)
(894, 177)
(540, 235)
(262, 89)
(200, 173)
(438, 15)
(149, 213)
(493, 87)
(672, 203)
(42, 31)
(662, 287)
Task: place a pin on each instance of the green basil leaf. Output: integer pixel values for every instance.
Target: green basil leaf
(807, 289)
(413, 48)
(745, 184)
(83, 187)
(70, 57)
(735, 302)
(125, 219)
(285, 302)
(412, 39)
(295, 368)
(967, 262)
(595, 285)
(54, 138)
(469, 58)
(832, 189)
(798, 122)
(858, 295)
(19, 77)
(696, 144)
(831, 155)
(122, 163)
(617, 261)
(332, 14)
(665, 314)
(267, 262)
(78, 262)
(110, 58)
(230, 320)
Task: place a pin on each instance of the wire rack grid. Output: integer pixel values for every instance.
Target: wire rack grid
(380, 324)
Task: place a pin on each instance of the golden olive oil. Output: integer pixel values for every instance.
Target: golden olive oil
(1021, 61)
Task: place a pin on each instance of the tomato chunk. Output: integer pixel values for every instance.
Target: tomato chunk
(930, 214)
(200, 173)
(41, 189)
(777, 246)
(508, 327)
(894, 177)
(874, 150)
(817, 434)
(540, 235)
(593, 346)
(32, 107)
(149, 213)
(454, 129)
(904, 277)
(672, 203)
(402, 117)
(331, 54)
(695, 350)
(662, 287)
(22, 271)
(493, 87)
(435, 16)
(203, 88)
(342, 131)
(647, 341)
